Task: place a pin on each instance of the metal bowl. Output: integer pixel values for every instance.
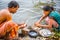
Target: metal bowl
(33, 33)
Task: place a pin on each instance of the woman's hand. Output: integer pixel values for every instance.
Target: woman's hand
(37, 24)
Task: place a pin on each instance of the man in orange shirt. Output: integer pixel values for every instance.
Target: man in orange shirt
(6, 23)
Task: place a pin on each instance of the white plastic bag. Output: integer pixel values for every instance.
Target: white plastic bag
(45, 32)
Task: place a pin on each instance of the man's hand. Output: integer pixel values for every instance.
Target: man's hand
(22, 26)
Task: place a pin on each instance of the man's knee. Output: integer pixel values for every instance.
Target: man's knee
(10, 25)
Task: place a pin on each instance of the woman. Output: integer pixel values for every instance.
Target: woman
(52, 19)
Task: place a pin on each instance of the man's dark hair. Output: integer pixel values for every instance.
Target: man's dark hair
(13, 4)
(48, 8)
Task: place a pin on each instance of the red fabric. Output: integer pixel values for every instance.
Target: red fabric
(6, 26)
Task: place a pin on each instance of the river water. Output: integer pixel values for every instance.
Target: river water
(26, 13)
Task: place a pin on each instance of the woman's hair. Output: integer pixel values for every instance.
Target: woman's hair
(52, 8)
(13, 4)
(48, 8)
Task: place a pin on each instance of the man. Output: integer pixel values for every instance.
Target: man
(52, 19)
(6, 23)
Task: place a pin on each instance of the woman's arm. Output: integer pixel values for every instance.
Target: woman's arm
(38, 22)
(41, 19)
(49, 24)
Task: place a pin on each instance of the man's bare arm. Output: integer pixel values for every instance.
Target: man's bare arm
(8, 17)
